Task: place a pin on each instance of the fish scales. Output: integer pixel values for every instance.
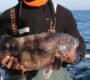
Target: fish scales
(38, 51)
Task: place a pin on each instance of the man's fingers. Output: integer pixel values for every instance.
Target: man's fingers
(10, 62)
(22, 68)
(5, 60)
(16, 64)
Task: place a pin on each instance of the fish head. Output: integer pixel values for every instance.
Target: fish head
(67, 48)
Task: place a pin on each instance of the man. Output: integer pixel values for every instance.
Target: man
(35, 16)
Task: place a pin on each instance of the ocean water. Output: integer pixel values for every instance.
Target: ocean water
(83, 23)
(81, 71)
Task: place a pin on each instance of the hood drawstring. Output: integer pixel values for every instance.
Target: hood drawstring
(53, 19)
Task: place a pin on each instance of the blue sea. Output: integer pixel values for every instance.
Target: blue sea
(81, 71)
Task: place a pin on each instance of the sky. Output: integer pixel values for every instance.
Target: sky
(70, 4)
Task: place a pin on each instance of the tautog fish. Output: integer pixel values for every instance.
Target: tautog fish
(40, 50)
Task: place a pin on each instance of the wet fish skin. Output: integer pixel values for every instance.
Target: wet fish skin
(39, 51)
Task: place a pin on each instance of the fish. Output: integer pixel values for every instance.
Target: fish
(38, 51)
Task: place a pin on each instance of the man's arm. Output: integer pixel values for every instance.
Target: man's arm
(8, 60)
(73, 30)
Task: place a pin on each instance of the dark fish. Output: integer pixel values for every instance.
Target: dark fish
(40, 50)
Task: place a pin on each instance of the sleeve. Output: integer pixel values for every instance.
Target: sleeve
(73, 30)
(4, 25)
(2, 29)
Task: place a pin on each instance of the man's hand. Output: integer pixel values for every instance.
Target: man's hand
(7, 61)
(11, 62)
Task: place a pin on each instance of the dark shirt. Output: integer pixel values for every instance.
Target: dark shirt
(38, 20)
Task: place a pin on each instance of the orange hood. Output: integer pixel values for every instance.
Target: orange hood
(35, 3)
